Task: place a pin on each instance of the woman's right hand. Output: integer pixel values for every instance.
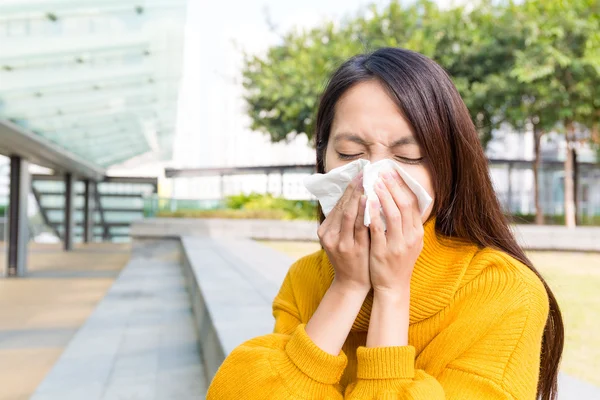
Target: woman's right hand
(345, 239)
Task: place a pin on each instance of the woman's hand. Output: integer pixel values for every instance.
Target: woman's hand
(345, 239)
(393, 254)
(392, 259)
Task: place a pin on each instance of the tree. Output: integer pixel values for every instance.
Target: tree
(283, 85)
(560, 67)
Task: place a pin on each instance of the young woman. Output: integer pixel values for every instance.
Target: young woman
(440, 306)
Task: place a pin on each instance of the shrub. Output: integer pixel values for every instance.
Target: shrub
(237, 202)
(294, 209)
(253, 205)
(225, 213)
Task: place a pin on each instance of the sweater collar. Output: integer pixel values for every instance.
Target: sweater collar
(436, 277)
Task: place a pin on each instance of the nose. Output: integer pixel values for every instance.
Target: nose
(375, 156)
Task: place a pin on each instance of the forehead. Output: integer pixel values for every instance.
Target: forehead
(367, 110)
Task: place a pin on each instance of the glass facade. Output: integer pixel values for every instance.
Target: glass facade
(99, 78)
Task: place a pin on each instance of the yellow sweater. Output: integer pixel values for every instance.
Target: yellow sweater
(476, 323)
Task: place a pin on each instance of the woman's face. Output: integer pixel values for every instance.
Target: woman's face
(368, 124)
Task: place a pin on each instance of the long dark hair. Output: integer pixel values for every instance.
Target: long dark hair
(465, 204)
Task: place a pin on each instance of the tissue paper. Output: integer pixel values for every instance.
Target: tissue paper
(328, 188)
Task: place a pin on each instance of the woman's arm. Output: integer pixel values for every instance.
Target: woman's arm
(306, 361)
(345, 239)
(392, 258)
(331, 323)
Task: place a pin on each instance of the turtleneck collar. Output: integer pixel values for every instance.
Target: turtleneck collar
(437, 275)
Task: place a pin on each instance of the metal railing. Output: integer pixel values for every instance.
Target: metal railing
(119, 201)
(513, 181)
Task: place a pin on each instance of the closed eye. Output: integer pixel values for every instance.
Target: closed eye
(409, 160)
(343, 156)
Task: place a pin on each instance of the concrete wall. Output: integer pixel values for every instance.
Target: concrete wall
(530, 237)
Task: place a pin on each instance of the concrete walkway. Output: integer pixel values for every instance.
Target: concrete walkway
(41, 313)
(140, 342)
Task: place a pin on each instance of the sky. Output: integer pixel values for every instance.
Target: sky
(212, 129)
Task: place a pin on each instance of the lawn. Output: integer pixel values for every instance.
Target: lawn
(575, 280)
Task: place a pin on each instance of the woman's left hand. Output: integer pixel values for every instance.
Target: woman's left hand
(393, 254)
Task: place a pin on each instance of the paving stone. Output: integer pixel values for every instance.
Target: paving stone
(141, 336)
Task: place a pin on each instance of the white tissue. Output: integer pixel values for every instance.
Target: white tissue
(328, 188)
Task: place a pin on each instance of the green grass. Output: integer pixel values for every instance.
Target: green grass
(575, 281)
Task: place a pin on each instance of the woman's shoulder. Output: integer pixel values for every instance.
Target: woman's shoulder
(493, 269)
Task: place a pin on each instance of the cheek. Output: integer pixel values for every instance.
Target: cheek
(331, 160)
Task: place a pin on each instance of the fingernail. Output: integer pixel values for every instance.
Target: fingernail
(387, 175)
(375, 203)
(379, 184)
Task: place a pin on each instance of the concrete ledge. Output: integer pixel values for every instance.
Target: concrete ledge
(530, 237)
(559, 238)
(231, 228)
(231, 297)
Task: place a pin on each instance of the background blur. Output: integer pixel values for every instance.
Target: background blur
(117, 114)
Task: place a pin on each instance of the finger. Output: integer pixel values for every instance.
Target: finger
(338, 211)
(349, 215)
(361, 232)
(417, 216)
(405, 199)
(392, 214)
(378, 240)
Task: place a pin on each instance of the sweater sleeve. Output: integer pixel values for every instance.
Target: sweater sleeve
(285, 364)
(490, 349)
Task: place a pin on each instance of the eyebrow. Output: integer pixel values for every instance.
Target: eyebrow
(357, 139)
(404, 141)
(350, 137)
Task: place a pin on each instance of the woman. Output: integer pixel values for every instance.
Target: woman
(440, 306)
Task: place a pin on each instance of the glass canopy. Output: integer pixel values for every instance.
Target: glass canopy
(100, 78)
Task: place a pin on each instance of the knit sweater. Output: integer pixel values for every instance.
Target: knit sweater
(476, 323)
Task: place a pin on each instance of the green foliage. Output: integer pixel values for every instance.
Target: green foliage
(225, 213)
(253, 205)
(2, 211)
(237, 202)
(532, 61)
(292, 209)
(558, 66)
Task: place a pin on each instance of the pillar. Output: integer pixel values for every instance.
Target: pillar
(18, 231)
(69, 212)
(88, 211)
